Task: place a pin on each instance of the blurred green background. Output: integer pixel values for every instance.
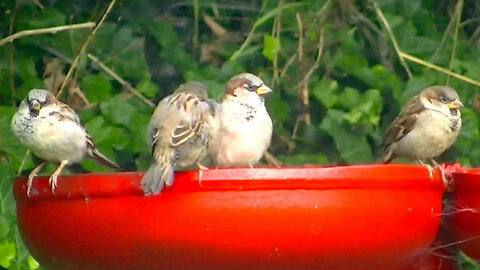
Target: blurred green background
(337, 79)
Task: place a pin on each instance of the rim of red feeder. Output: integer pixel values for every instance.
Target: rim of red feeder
(467, 180)
(376, 176)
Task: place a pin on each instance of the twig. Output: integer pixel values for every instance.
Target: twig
(458, 14)
(444, 37)
(196, 18)
(257, 23)
(319, 57)
(11, 51)
(49, 30)
(437, 68)
(216, 28)
(270, 159)
(20, 168)
(84, 46)
(392, 37)
(302, 88)
(288, 64)
(276, 32)
(124, 83)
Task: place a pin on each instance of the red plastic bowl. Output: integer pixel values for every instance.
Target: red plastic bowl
(466, 205)
(349, 217)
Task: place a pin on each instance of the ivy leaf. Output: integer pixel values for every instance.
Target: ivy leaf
(117, 110)
(325, 92)
(352, 148)
(147, 88)
(96, 88)
(7, 253)
(271, 46)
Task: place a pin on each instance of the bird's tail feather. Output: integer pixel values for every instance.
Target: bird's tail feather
(103, 160)
(156, 177)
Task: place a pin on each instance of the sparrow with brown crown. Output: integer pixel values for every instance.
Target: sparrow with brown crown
(179, 134)
(244, 125)
(426, 127)
(53, 132)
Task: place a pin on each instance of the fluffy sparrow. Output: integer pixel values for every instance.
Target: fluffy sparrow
(244, 126)
(179, 134)
(426, 127)
(53, 132)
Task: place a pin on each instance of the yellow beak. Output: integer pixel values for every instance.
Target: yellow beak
(262, 90)
(35, 105)
(455, 104)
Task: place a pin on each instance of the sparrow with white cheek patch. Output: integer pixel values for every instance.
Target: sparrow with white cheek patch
(53, 132)
(244, 126)
(426, 127)
(179, 133)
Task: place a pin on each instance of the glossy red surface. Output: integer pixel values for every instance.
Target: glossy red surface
(346, 217)
(466, 205)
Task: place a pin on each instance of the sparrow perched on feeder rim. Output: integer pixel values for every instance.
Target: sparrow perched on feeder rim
(179, 133)
(244, 126)
(54, 133)
(426, 127)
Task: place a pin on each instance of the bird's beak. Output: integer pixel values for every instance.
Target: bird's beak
(262, 90)
(35, 105)
(455, 104)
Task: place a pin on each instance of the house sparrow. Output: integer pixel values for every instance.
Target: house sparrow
(179, 133)
(426, 127)
(53, 132)
(245, 128)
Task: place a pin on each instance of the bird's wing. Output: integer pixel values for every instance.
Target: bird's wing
(404, 122)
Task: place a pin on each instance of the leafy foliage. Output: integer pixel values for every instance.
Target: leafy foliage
(354, 91)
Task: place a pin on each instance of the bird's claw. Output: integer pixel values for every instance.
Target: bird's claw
(430, 171)
(52, 181)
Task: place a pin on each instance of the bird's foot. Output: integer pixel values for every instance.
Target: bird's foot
(52, 181)
(201, 167)
(429, 169)
(53, 178)
(440, 167)
(31, 176)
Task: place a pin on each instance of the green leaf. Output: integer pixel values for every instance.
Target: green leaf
(48, 18)
(96, 88)
(271, 46)
(278, 108)
(32, 263)
(7, 253)
(304, 159)
(117, 110)
(349, 98)
(352, 148)
(147, 88)
(325, 92)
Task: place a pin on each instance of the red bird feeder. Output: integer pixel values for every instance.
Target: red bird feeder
(345, 217)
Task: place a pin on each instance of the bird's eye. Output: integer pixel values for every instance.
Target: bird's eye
(443, 99)
(251, 87)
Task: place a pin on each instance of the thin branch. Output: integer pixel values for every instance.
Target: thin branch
(276, 32)
(270, 159)
(288, 64)
(124, 83)
(458, 17)
(216, 28)
(49, 30)
(84, 46)
(196, 19)
(437, 68)
(392, 37)
(261, 20)
(25, 157)
(11, 57)
(444, 37)
(316, 64)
